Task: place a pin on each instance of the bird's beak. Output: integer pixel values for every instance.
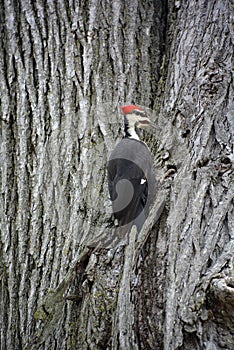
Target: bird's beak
(146, 125)
(152, 125)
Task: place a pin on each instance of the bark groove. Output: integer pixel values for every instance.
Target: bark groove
(65, 67)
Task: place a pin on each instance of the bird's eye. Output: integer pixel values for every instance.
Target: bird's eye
(140, 113)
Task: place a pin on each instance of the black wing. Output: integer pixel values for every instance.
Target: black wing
(128, 190)
(128, 182)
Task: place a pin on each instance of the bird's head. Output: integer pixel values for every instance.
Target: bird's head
(135, 116)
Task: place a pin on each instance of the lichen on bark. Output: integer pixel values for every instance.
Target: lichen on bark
(65, 68)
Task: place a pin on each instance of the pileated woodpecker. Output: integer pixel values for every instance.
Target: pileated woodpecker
(131, 180)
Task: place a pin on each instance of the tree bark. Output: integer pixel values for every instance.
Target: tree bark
(67, 280)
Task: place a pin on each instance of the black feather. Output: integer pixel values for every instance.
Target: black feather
(131, 182)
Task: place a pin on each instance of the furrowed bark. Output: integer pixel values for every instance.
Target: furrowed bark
(67, 280)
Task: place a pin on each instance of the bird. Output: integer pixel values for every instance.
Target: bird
(131, 180)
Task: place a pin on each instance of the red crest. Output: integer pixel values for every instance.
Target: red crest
(128, 109)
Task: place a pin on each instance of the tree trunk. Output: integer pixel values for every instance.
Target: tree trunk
(67, 280)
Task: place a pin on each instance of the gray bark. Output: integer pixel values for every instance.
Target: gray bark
(67, 280)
